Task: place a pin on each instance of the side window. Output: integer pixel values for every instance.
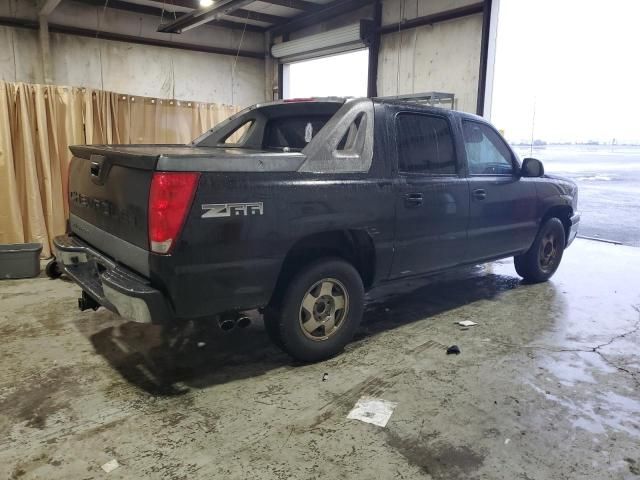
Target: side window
(425, 144)
(487, 153)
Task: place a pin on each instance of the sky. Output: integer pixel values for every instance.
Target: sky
(578, 61)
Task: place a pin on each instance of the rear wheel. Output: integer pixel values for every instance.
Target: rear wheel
(319, 311)
(541, 261)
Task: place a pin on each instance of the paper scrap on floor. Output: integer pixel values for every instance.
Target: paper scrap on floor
(467, 323)
(110, 466)
(372, 410)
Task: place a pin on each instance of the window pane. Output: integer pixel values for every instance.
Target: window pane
(425, 144)
(487, 153)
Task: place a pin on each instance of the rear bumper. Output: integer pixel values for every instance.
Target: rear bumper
(573, 230)
(111, 285)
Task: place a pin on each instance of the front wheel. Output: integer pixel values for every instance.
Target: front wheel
(542, 260)
(319, 312)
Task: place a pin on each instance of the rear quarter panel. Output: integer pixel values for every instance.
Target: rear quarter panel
(227, 263)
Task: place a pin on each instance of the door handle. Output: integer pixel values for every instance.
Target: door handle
(480, 194)
(413, 200)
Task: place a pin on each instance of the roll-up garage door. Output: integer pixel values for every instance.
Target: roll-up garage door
(339, 40)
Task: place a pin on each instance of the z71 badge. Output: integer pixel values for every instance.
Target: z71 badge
(219, 210)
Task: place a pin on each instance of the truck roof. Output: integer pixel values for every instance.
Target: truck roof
(378, 100)
(422, 106)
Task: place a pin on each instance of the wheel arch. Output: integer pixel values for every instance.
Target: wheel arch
(354, 246)
(563, 213)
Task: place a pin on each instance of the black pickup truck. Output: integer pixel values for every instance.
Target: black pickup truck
(297, 208)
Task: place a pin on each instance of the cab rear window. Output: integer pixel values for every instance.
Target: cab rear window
(293, 132)
(287, 127)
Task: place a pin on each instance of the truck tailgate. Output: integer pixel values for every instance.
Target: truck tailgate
(109, 193)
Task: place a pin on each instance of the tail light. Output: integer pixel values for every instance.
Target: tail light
(169, 201)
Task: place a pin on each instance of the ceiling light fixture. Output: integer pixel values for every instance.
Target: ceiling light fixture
(206, 3)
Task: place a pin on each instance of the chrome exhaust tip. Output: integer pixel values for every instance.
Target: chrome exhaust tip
(243, 322)
(227, 324)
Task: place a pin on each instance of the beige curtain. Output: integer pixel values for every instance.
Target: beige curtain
(39, 122)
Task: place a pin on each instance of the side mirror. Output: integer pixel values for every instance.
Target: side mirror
(532, 167)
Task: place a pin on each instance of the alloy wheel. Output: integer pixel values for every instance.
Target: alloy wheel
(323, 309)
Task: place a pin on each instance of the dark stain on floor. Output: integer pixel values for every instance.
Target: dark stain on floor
(438, 459)
(36, 398)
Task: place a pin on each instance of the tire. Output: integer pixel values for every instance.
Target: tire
(542, 260)
(319, 312)
(53, 270)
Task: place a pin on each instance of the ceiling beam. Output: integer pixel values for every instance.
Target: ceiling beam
(239, 13)
(198, 17)
(257, 16)
(302, 5)
(47, 6)
(237, 26)
(444, 16)
(157, 12)
(330, 10)
(192, 4)
(128, 7)
(117, 37)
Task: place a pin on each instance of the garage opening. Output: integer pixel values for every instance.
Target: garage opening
(343, 75)
(332, 63)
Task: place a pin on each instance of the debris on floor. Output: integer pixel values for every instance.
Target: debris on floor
(372, 410)
(466, 323)
(110, 466)
(453, 349)
(325, 377)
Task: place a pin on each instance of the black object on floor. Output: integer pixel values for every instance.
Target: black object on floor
(453, 349)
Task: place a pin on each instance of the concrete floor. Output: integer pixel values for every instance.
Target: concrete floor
(546, 386)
